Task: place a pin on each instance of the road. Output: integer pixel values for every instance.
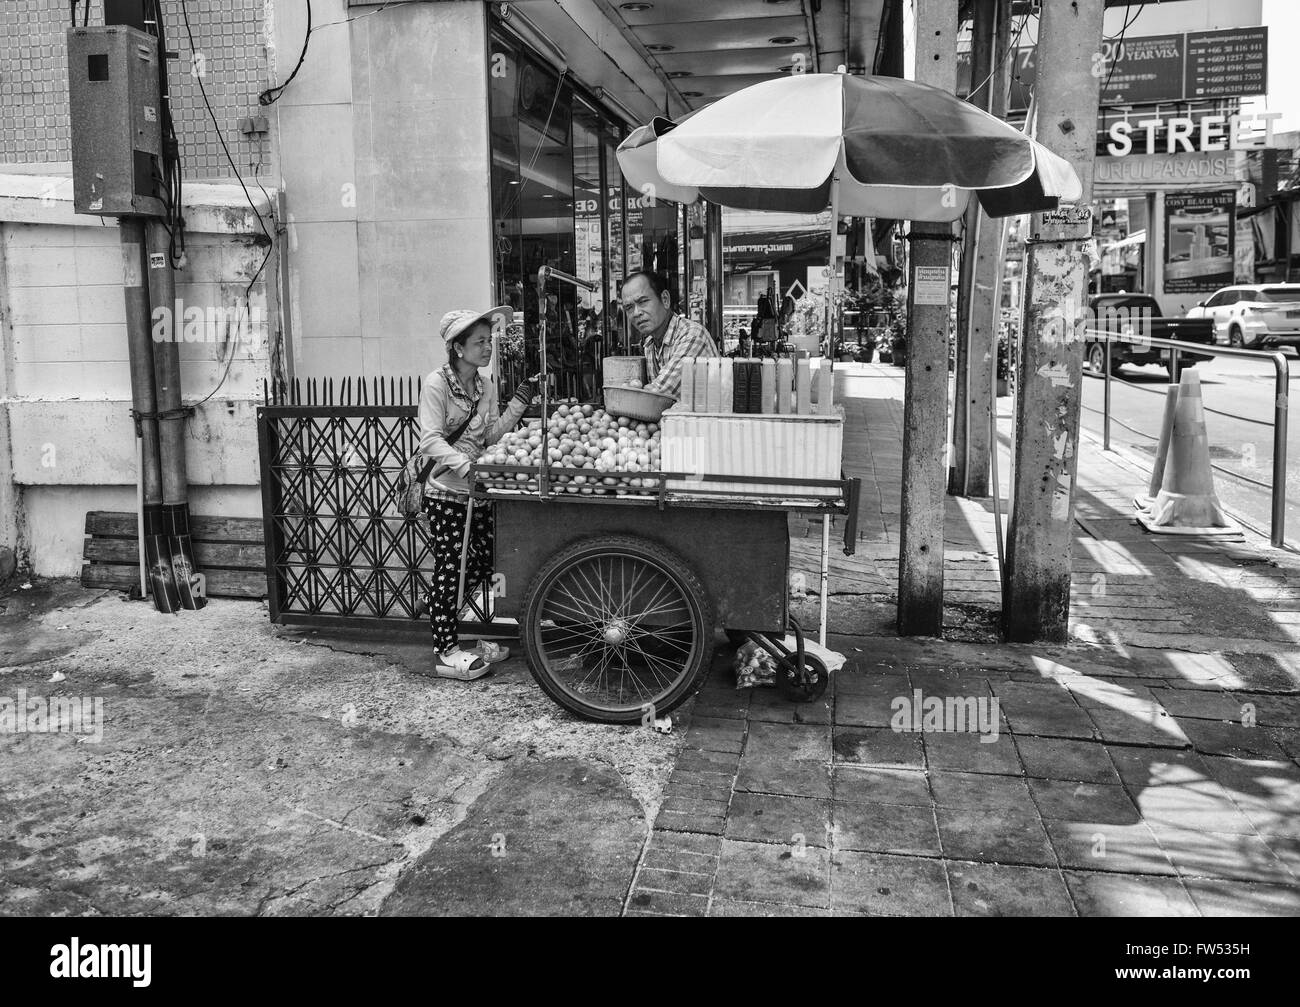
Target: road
(1241, 442)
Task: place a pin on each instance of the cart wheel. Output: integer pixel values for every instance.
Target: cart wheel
(815, 679)
(616, 626)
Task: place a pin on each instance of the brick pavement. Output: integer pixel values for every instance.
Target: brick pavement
(1147, 768)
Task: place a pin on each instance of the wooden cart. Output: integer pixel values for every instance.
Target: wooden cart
(618, 597)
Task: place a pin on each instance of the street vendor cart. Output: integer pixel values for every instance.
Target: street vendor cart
(619, 584)
(618, 598)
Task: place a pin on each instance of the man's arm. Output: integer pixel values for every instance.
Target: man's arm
(694, 342)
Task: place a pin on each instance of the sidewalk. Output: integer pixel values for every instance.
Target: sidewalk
(1148, 768)
(251, 769)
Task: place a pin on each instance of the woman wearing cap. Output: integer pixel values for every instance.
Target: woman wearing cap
(452, 395)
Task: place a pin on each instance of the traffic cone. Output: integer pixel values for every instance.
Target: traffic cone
(1187, 503)
(1144, 501)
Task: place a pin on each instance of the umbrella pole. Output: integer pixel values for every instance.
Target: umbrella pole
(832, 280)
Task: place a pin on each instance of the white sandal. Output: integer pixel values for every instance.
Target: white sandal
(464, 666)
(492, 653)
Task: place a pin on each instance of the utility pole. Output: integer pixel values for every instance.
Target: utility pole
(979, 286)
(925, 404)
(1036, 593)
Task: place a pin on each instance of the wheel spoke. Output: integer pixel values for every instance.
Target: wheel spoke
(626, 630)
(599, 590)
(592, 606)
(650, 608)
(651, 661)
(583, 615)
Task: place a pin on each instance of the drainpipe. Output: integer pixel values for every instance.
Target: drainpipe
(171, 423)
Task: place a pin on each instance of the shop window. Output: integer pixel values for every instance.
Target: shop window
(558, 199)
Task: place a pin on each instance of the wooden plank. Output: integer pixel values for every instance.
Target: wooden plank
(219, 583)
(122, 524)
(207, 554)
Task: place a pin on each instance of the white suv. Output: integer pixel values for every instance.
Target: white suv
(1254, 315)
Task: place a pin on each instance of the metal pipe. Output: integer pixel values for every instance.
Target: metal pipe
(810, 21)
(714, 271)
(551, 273)
(171, 427)
(1282, 390)
(144, 404)
(1105, 425)
(825, 577)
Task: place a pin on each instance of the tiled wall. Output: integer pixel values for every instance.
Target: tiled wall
(34, 125)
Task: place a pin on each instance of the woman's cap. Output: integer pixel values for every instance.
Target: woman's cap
(454, 323)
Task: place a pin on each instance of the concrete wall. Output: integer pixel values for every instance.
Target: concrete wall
(382, 143)
(67, 442)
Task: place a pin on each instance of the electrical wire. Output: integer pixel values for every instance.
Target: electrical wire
(272, 94)
(1012, 48)
(270, 240)
(1128, 22)
(171, 184)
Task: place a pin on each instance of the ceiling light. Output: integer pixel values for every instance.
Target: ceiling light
(692, 94)
(659, 47)
(679, 73)
(636, 7)
(783, 40)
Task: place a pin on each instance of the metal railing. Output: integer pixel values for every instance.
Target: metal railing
(1282, 389)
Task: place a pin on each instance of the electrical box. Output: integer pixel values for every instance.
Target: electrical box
(113, 93)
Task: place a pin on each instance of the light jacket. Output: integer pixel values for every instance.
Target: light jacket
(444, 404)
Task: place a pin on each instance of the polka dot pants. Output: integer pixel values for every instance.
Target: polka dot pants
(447, 524)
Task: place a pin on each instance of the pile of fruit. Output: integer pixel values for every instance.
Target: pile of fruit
(589, 452)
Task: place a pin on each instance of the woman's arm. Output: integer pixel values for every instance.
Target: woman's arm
(499, 424)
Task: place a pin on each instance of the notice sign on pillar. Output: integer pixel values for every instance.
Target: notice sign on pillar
(1199, 240)
(930, 285)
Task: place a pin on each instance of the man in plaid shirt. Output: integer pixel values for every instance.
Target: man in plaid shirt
(669, 338)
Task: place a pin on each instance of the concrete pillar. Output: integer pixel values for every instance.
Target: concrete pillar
(925, 406)
(1036, 597)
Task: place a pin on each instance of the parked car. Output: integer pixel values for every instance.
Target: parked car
(1135, 318)
(1254, 315)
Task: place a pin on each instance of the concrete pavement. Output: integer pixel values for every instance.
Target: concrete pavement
(1147, 768)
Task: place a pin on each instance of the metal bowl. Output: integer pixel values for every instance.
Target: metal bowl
(636, 403)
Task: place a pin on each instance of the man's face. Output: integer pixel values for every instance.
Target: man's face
(647, 311)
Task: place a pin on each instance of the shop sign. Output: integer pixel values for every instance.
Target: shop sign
(1183, 134)
(1200, 232)
(1152, 171)
(930, 285)
(1190, 66)
(1226, 64)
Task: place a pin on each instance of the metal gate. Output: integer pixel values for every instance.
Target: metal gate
(338, 551)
